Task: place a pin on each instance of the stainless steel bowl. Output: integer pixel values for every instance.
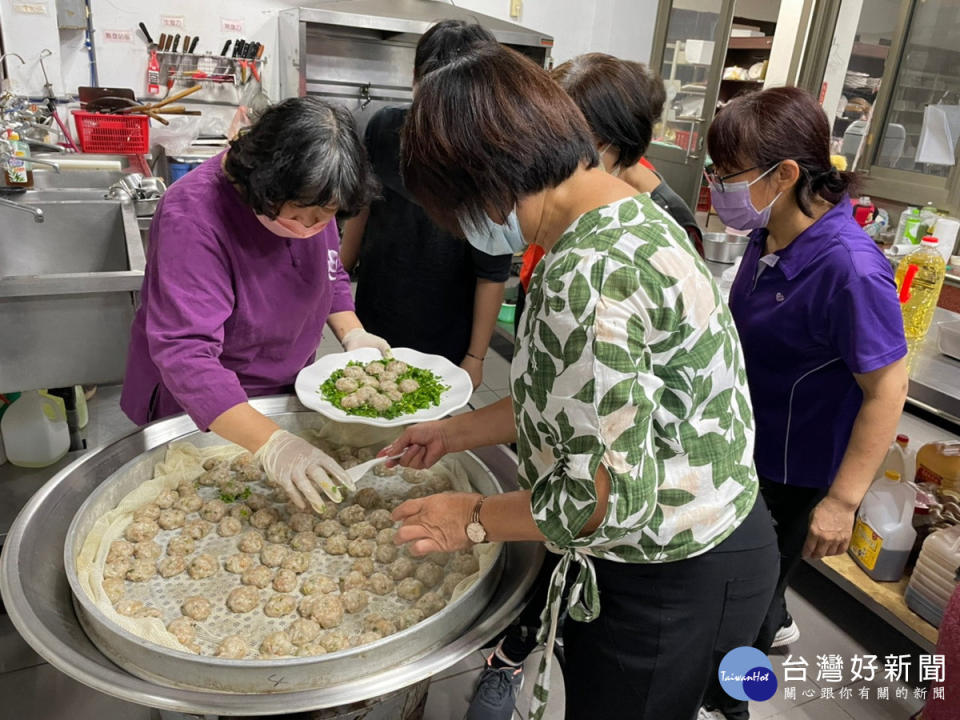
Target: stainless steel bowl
(37, 595)
(723, 247)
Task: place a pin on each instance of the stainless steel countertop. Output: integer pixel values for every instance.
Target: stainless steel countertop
(935, 379)
(17, 486)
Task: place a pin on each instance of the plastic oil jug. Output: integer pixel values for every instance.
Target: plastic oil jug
(883, 534)
(935, 576)
(939, 463)
(34, 430)
(899, 458)
(919, 280)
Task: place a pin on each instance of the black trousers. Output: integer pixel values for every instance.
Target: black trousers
(650, 653)
(790, 507)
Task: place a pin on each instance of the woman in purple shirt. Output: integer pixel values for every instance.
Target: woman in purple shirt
(816, 308)
(242, 275)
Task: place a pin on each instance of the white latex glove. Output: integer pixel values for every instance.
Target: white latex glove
(300, 468)
(360, 338)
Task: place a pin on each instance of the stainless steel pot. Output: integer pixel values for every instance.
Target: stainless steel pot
(37, 595)
(723, 247)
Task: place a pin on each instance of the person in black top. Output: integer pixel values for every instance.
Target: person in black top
(417, 285)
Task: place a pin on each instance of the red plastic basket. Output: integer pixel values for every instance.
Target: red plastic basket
(112, 134)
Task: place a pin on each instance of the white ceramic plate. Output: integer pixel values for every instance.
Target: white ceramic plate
(313, 376)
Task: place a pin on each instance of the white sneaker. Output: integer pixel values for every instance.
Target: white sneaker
(705, 714)
(787, 634)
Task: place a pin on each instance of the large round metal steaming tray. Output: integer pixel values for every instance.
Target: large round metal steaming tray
(36, 587)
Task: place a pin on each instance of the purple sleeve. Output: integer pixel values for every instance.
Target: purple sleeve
(191, 297)
(342, 300)
(866, 326)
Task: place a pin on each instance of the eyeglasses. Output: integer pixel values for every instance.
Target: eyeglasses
(714, 179)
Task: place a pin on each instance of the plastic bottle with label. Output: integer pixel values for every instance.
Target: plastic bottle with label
(899, 458)
(919, 281)
(17, 174)
(34, 430)
(883, 533)
(938, 463)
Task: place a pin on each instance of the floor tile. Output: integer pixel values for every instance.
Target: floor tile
(496, 372)
(482, 398)
(472, 662)
(815, 710)
(448, 698)
(874, 709)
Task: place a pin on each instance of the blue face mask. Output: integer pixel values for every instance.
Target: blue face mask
(494, 239)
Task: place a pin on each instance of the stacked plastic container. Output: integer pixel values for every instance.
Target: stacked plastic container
(936, 575)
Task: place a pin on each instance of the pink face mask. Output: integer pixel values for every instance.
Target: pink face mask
(286, 228)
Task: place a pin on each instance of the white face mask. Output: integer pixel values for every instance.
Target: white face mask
(494, 239)
(616, 168)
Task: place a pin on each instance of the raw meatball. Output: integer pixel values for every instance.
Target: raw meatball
(450, 583)
(368, 498)
(364, 566)
(187, 487)
(229, 526)
(439, 483)
(171, 566)
(438, 558)
(258, 576)
(336, 545)
(238, 563)
(429, 574)
(326, 610)
(213, 510)
(388, 386)
(346, 385)
(408, 617)
(171, 519)
(181, 545)
(380, 519)
(304, 541)
(353, 371)
(351, 514)
(408, 385)
(385, 553)
(141, 570)
(318, 584)
(401, 568)
(185, 631)
(303, 631)
(394, 395)
(279, 532)
(257, 501)
(409, 589)
(464, 563)
(189, 503)
(310, 649)
(112, 588)
(203, 566)
(214, 476)
(243, 599)
(239, 511)
(361, 548)
(430, 603)
(351, 401)
(334, 641)
(415, 477)
(197, 529)
(147, 512)
(379, 624)
(328, 512)
(141, 530)
(352, 580)
(247, 468)
(120, 550)
(301, 522)
(232, 488)
(397, 366)
(385, 536)
(134, 608)
(327, 528)
(196, 607)
(147, 550)
(384, 471)
(296, 561)
(211, 463)
(374, 368)
(263, 518)
(380, 402)
(276, 645)
(285, 581)
(166, 499)
(365, 638)
(250, 542)
(280, 605)
(117, 568)
(362, 529)
(380, 584)
(273, 555)
(232, 647)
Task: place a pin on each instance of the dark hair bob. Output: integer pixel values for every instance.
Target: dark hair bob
(445, 41)
(620, 99)
(786, 123)
(487, 129)
(302, 150)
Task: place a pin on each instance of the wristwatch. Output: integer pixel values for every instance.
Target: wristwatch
(476, 533)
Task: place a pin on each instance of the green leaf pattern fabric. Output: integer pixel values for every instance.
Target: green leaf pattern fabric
(627, 357)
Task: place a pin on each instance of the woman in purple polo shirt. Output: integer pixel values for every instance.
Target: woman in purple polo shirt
(816, 308)
(242, 275)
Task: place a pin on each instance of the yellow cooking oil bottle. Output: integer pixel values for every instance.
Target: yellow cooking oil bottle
(883, 534)
(919, 280)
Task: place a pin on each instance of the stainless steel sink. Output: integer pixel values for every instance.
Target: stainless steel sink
(68, 289)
